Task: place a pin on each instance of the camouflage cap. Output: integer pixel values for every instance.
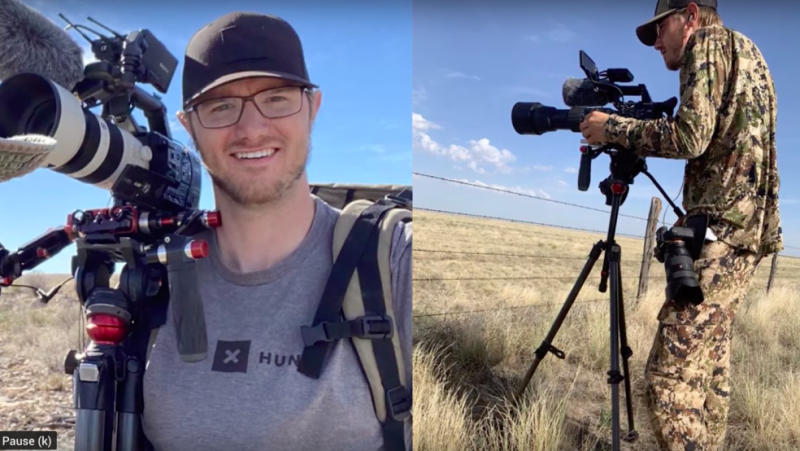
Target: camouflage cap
(647, 31)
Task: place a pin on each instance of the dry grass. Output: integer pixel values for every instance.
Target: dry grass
(42, 333)
(473, 344)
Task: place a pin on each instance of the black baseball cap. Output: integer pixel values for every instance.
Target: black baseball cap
(242, 45)
(647, 31)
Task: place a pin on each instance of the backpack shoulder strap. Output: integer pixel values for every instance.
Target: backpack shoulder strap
(360, 288)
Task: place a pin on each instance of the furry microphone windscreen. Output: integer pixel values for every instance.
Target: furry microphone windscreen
(30, 42)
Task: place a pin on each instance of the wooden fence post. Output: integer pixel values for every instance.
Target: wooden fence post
(649, 244)
(772, 271)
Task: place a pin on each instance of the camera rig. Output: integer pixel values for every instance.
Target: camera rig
(155, 186)
(532, 118)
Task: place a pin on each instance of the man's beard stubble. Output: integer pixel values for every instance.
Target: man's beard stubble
(678, 62)
(266, 196)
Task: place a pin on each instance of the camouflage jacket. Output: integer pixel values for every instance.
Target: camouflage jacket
(725, 128)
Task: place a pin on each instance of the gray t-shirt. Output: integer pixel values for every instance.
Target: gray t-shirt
(248, 394)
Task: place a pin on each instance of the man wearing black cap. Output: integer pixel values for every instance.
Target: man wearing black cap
(725, 129)
(249, 107)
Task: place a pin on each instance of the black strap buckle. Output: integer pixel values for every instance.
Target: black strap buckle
(398, 403)
(402, 199)
(314, 334)
(374, 327)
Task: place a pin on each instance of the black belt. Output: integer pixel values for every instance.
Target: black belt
(712, 219)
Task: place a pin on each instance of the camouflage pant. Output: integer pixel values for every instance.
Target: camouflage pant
(688, 370)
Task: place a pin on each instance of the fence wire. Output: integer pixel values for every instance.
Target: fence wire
(774, 273)
(519, 221)
(516, 193)
(569, 204)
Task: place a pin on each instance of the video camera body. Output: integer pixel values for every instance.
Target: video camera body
(599, 88)
(155, 185)
(587, 95)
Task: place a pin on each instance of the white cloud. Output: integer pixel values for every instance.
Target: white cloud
(459, 153)
(571, 170)
(425, 142)
(563, 183)
(474, 166)
(420, 123)
(480, 152)
(463, 75)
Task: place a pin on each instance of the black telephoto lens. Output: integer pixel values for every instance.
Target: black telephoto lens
(533, 118)
(683, 285)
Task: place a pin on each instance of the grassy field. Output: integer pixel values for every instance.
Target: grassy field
(475, 339)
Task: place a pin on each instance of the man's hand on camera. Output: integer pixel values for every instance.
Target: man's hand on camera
(593, 127)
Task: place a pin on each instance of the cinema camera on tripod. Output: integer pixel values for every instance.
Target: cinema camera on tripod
(583, 96)
(155, 186)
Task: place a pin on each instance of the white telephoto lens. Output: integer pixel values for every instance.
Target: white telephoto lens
(89, 148)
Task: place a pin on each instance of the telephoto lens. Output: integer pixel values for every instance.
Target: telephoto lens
(683, 285)
(89, 148)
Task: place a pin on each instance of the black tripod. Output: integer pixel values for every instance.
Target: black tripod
(625, 166)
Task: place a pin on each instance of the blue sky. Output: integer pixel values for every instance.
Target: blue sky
(359, 54)
(473, 62)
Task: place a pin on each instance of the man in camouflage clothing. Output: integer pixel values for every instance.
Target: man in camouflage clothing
(725, 129)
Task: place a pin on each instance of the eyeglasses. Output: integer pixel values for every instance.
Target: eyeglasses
(272, 104)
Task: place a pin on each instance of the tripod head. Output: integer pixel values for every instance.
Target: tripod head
(624, 167)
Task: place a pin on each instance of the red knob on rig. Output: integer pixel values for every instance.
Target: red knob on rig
(106, 329)
(42, 252)
(617, 188)
(585, 149)
(212, 219)
(196, 249)
(168, 221)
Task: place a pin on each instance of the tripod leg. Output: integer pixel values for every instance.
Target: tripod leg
(129, 406)
(93, 383)
(627, 352)
(614, 376)
(546, 345)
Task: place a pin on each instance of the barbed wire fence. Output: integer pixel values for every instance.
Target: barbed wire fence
(644, 263)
